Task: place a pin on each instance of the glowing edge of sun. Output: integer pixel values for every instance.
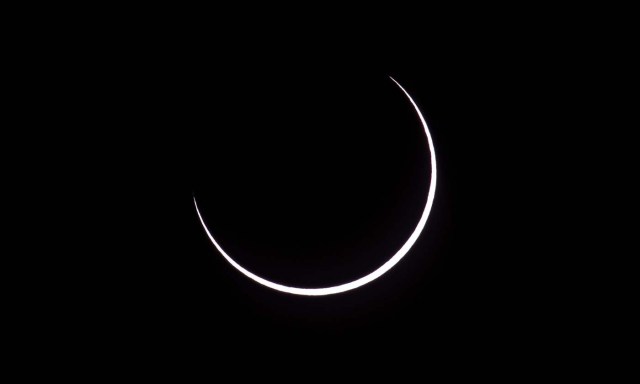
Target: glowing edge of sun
(373, 275)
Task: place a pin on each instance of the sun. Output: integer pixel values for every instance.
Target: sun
(373, 275)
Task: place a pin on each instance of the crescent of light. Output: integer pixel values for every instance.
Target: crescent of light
(373, 275)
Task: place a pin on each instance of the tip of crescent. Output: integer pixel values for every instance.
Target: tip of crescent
(398, 84)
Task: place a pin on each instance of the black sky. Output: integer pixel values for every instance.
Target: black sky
(312, 171)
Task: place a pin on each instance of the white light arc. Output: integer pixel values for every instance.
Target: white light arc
(373, 275)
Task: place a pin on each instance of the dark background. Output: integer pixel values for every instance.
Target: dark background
(311, 169)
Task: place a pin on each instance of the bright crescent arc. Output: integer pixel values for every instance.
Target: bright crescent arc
(373, 275)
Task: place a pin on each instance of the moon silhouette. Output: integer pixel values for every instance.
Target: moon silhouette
(371, 276)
